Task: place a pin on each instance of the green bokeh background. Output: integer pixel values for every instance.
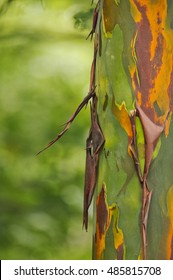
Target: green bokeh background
(44, 74)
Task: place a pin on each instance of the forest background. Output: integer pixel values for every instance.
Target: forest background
(44, 74)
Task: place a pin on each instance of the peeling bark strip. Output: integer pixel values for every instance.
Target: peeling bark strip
(90, 95)
(94, 144)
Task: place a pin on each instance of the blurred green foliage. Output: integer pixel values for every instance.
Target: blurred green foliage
(82, 19)
(44, 74)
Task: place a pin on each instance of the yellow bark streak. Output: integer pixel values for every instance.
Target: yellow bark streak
(120, 112)
(118, 234)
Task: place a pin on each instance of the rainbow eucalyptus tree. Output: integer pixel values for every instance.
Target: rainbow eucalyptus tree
(129, 149)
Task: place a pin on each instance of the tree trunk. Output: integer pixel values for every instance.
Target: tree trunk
(129, 148)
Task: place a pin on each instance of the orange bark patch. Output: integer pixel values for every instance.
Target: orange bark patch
(106, 216)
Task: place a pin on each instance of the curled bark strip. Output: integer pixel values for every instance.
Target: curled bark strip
(152, 134)
(71, 119)
(94, 144)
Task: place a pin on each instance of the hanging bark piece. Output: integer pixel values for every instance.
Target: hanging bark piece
(94, 144)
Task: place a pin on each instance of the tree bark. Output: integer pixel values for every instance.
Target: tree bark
(129, 148)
